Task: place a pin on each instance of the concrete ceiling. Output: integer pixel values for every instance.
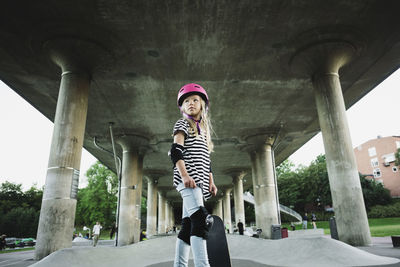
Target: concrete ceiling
(240, 51)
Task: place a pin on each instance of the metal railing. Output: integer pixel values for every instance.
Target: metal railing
(248, 197)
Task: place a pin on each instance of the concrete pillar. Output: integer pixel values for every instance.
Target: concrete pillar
(238, 197)
(265, 188)
(324, 61)
(172, 216)
(227, 209)
(161, 214)
(133, 150)
(151, 227)
(347, 197)
(218, 209)
(57, 215)
(167, 216)
(131, 194)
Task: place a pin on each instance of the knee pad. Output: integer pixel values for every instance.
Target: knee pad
(184, 233)
(201, 223)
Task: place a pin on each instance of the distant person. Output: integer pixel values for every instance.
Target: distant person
(258, 233)
(305, 221)
(96, 233)
(113, 229)
(3, 242)
(314, 220)
(143, 235)
(227, 227)
(240, 227)
(174, 229)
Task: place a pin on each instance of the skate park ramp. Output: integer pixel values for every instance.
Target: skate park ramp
(244, 251)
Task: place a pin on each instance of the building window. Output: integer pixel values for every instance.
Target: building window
(388, 158)
(395, 169)
(374, 162)
(372, 151)
(377, 173)
(398, 144)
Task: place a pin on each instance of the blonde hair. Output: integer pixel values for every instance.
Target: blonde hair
(205, 125)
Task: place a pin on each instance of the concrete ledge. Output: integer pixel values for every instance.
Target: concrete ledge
(306, 233)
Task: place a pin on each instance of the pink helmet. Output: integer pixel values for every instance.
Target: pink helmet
(191, 89)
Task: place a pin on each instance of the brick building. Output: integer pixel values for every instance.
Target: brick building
(376, 158)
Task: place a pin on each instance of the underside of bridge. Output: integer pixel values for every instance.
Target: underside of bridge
(257, 60)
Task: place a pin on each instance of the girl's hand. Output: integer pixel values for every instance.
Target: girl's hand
(188, 182)
(213, 189)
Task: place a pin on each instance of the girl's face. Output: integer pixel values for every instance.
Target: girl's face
(192, 106)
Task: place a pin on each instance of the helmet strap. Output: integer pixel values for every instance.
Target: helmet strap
(193, 119)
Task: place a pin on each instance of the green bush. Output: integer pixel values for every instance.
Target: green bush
(374, 193)
(386, 211)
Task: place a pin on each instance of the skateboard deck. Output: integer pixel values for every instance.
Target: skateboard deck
(217, 246)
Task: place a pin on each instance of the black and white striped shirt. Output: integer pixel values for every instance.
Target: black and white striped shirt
(196, 157)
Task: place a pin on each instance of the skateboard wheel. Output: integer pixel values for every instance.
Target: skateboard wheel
(209, 221)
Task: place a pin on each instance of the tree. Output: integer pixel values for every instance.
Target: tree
(374, 193)
(143, 213)
(284, 168)
(397, 155)
(33, 197)
(98, 201)
(21, 222)
(20, 210)
(306, 187)
(289, 189)
(249, 213)
(316, 189)
(11, 196)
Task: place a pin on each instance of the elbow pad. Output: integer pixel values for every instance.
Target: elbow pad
(176, 153)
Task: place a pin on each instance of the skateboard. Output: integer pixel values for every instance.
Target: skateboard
(217, 246)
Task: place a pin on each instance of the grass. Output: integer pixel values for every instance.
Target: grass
(105, 235)
(16, 250)
(378, 226)
(384, 226)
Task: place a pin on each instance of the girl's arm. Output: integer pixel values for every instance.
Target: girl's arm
(179, 138)
(213, 187)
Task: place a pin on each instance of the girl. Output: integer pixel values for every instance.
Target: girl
(190, 155)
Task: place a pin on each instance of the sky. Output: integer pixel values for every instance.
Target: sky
(25, 139)
(25, 134)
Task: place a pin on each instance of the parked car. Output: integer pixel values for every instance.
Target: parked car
(10, 242)
(28, 242)
(19, 243)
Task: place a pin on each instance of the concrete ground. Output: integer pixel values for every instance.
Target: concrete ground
(245, 251)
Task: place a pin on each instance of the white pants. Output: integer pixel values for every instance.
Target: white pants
(192, 200)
